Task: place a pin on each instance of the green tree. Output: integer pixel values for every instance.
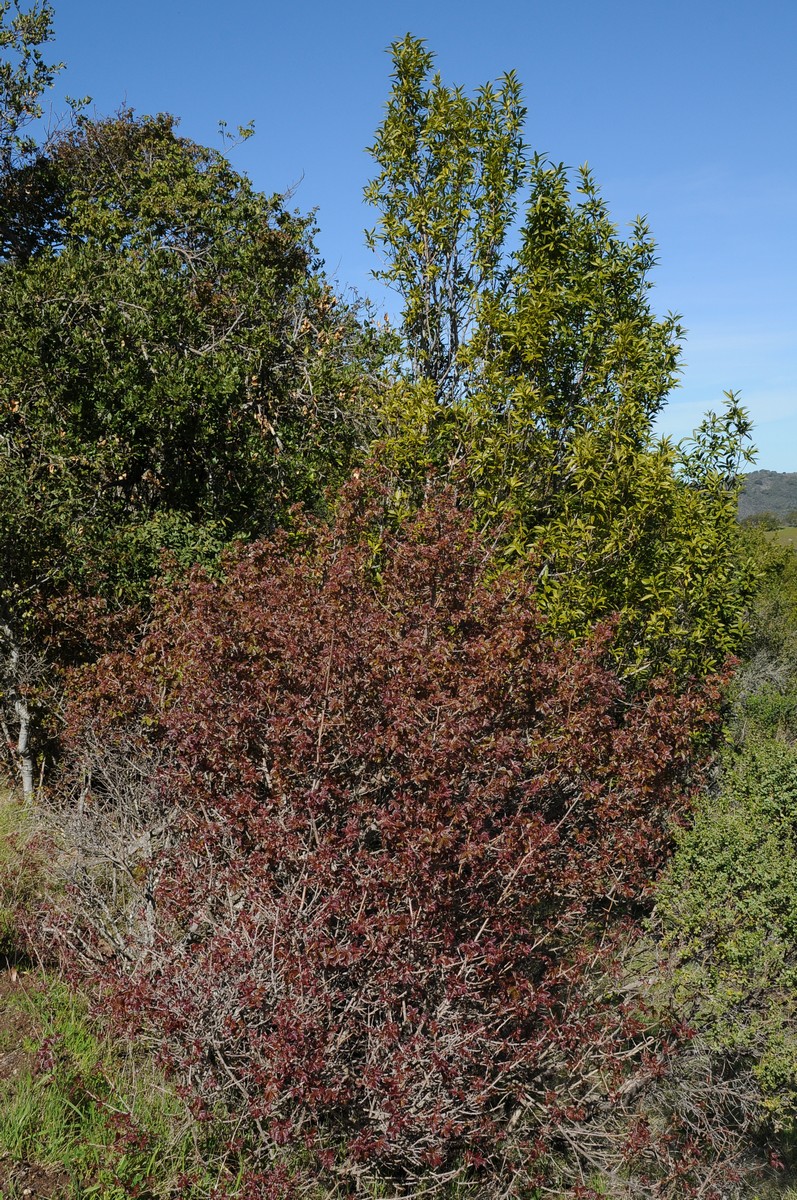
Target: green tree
(24, 74)
(175, 371)
(177, 357)
(26, 194)
(763, 520)
(449, 172)
(546, 409)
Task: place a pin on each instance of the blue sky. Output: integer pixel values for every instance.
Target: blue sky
(686, 111)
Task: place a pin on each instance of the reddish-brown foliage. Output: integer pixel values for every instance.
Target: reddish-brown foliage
(385, 831)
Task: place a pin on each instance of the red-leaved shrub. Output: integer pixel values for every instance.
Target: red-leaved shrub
(357, 838)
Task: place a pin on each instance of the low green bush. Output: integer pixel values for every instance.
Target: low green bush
(728, 905)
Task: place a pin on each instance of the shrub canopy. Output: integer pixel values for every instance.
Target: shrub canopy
(389, 828)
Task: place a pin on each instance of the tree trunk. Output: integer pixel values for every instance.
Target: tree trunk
(24, 756)
(18, 706)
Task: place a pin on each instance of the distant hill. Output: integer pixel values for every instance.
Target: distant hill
(769, 491)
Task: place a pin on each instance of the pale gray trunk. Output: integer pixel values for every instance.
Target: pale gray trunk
(24, 755)
(21, 716)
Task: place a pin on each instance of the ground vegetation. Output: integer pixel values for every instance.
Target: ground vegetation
(358, 684)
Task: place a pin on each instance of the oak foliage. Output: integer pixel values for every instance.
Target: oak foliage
(359, 835)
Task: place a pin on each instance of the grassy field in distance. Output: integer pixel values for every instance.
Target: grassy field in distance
(785, 537)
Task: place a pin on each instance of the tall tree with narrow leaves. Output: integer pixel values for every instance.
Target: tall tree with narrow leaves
(449, 171)
(541, 372)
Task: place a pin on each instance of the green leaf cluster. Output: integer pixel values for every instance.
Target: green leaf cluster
(449, 170)
(24, 74)
(539, 378)
(729, 910)
(175, 370)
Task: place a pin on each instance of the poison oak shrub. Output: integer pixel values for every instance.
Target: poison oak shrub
(357, 840)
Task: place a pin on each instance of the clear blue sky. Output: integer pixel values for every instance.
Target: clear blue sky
(685, 109)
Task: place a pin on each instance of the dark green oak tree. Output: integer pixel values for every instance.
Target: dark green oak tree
(25, 74)
(175, 372)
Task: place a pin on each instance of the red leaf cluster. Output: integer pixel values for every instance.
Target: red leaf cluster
(394, 827)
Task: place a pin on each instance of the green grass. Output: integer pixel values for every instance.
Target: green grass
(15, 875)
(94, 1110)
(785, 537)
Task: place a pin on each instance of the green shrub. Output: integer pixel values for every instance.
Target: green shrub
(729, 910)
(764, 520)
